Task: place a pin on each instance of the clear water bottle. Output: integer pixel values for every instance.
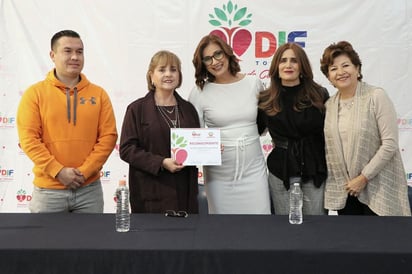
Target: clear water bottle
(122, 207)
(296, 204)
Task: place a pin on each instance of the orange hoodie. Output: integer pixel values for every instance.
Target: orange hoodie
(61, 127)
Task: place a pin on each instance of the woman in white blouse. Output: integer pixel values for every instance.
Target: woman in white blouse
(227, 99)
(365, 170)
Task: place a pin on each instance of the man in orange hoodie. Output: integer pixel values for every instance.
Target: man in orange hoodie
(67, 127)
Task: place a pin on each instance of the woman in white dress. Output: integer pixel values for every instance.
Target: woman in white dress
(227, 99)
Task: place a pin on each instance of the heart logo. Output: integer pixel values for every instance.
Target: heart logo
(267, 147)
(239, 39)
(117, 147)
(181, 156)
(21, 197)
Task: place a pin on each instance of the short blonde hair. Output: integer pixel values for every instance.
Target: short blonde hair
(163, 57)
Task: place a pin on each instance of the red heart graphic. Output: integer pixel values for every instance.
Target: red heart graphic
(21, 197)
(220, 34)
(241, 41)
(181, 156)
(238, 39)
(267, 147)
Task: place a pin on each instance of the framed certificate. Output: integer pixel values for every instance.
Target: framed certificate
(196, 146)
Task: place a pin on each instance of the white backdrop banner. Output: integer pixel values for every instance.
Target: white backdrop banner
(121, 36)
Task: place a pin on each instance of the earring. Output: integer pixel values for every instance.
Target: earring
(300, 75)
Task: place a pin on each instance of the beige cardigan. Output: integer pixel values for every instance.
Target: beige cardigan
(374, 150)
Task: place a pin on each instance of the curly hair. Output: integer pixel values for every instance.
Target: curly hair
(338, 49)
(201, 73)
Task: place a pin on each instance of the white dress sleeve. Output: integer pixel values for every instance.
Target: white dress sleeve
(194, 99)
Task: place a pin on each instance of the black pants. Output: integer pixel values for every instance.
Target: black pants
(354, 207)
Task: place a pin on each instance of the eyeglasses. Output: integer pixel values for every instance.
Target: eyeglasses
(172, 213)
(217, 55)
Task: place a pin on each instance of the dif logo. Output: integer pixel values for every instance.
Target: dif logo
(6, 173)
(21, 196)
(6, 121)
(405, 123)
(239, 38)
(105, 175)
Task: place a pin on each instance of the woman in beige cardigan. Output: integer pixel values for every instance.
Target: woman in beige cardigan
(365, 170)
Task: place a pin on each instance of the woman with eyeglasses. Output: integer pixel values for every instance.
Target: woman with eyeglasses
(227, 99)
(158, 183)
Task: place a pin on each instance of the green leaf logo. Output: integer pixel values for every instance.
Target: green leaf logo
(230, 14)
(178, 141)
(21, 191)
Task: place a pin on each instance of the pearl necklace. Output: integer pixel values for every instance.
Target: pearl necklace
(347, 103)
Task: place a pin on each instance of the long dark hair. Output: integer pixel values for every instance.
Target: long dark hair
(310, 94)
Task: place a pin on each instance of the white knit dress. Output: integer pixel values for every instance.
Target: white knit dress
(239, 185)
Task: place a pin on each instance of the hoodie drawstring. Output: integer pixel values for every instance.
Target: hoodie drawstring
(75, 106)
(69, 106)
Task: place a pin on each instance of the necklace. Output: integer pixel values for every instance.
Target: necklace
(164, 113)
(166, 109)
(347, 103)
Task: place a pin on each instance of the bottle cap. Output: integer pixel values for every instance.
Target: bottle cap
(122, 182)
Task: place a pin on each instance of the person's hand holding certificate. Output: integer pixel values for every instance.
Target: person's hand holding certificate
(196, 146)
